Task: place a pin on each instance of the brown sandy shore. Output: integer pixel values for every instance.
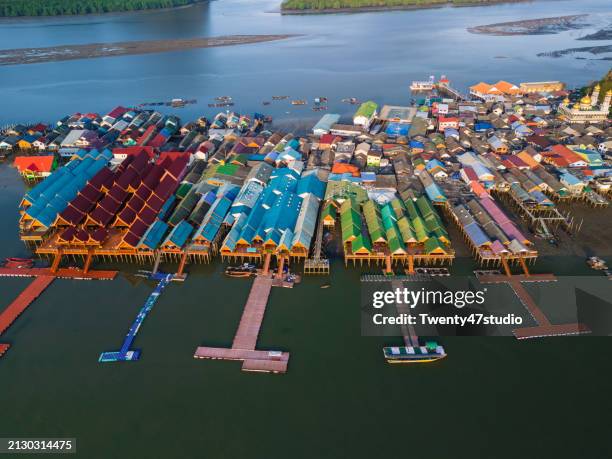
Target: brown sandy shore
(92, 50)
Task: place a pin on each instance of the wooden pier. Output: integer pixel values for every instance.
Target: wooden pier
(43, 277)
(62, 273)
(245, 340)
(408, 332)
(544, 327)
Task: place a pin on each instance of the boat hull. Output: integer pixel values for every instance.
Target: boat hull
(421, 360)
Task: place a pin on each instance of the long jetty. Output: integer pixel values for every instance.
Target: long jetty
(408, 332)
(43, 277)
(126, 354)
(544, 326)
(245, 340)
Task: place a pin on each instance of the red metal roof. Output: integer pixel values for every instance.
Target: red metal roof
(34, 163)
(117, 112)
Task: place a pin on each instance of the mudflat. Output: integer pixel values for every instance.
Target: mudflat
(92, 50)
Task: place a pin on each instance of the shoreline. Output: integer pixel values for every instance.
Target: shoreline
(105, 13)
(24, 56)
(372, 9)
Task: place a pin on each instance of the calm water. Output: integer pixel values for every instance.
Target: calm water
(372, 55)
(339, 399)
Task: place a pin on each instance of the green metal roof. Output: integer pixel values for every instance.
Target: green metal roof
(433, 244)
(419, 229)
(362, 242)
(367, 109)
(372, 217)
(406, 230)
(350, 220)
(424, 206)
(329, 211)
(396, 245)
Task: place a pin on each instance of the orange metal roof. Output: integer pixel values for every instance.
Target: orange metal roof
(34, 163)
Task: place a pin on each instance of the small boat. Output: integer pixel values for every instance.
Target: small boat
(414, 354)
(298, 102)
(244, 270)
(280, 97)
(350, 100)
(178, 102)
(319, 108)
(222, 104)
(14, 263)
(267, 119)
(320, 100)
(223, 98)
(597, 263)
(265, 102)
(427, 85)
(326, 285)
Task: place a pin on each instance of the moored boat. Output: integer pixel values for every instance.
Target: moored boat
(244, 270)
(178, 102)
(298, 102)
(12, 262)
(431, 352)
(597, 263)
(427, 85)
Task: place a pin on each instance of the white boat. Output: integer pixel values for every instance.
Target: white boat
(427, 85)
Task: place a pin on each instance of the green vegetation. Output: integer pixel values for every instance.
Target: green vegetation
(13, 8)
(338, 4)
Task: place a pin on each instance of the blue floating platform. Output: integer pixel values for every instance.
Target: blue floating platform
(118, 356)
(125, 354)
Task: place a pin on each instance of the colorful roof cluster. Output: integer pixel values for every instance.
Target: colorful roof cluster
(51, 197)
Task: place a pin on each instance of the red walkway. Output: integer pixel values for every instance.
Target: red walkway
(64, 273)
(43, 278)
(25, 298)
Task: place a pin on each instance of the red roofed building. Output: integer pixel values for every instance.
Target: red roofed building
(34, 167)
(173, 155)
(327, 140)
(444, 123)
(158, 141)
(561, 156)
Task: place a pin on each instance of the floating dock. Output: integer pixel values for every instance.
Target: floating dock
(544, 327)
(125, 353)
(245, 340)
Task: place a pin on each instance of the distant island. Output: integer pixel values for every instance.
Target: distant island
(336, 6)
(540, 26)
(17, 8)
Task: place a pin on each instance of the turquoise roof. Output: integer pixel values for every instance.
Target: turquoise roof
(179, 234)
(153, 236)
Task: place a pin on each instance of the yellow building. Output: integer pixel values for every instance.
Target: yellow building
(542, 86)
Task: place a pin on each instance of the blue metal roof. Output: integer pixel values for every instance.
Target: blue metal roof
(311, 184)
(214, 218)
(179, 234)
(476, 234)
(154, 234)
